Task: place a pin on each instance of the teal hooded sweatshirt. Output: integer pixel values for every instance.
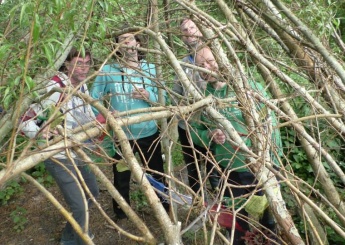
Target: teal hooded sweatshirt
(115, 84)
(228, 155)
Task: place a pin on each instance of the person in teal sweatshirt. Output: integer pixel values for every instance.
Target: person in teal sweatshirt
(126, 86)
(228, 156)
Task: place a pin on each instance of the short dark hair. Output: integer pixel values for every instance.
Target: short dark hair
(74, 52)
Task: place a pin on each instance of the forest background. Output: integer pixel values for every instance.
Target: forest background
(294, 48)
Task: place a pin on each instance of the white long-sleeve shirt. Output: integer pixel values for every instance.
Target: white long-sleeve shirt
(76, 111)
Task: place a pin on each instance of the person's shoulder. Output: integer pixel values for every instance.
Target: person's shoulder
(110, 67)
(259, 88)
(148, 68)
(59, 79)
(146, 65)
(186, 59)
(254, 84)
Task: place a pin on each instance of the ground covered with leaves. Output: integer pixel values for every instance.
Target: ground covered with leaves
(29, 218)
(44, 223)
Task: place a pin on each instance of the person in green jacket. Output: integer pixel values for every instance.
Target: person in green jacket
(192, 154)
(129, 85)
(228, 156)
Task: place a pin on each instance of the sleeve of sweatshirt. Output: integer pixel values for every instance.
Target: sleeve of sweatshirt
(98, 89)
(276, 136)
(30, 119)
(178, 89)
(199, 133)
(29, 124)
(153, 90)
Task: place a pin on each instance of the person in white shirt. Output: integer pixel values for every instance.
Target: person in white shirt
(74, 112)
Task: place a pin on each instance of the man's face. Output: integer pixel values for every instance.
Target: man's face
(78, 69)
(129, 40)
(205, 59)
(191, 33)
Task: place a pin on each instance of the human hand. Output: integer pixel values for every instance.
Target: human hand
(217, 136)
(48, 133)
(140, 94)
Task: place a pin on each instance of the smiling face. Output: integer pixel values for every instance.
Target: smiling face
(78, 69)
(191, 33)
(205, 59)
(129, 40)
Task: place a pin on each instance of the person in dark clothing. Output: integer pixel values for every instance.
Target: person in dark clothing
(131, 85)
(192, 154)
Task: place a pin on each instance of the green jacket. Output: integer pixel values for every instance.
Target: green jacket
(228, 155)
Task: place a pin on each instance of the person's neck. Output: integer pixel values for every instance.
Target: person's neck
(132, 62)
(195, 46)
(74, 84)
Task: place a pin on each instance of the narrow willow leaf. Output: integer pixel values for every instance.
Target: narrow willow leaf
(8, 98)
(36, 31)
(23, 13)
(17, 80)
(7, 91)
(35, 94)
(29, 83)
(7, 102)
(4, 50)
(48, 54)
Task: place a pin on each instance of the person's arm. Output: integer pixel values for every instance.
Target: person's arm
(178, 89)
(195, 79)
(153, 89)
(29, 125)
(275, 137)
(149, 93)
(200, 133)
(150, 90)
(97, 90)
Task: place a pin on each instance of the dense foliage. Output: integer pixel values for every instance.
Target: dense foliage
(295, 51)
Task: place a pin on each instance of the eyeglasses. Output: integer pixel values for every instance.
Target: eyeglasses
(83, 64)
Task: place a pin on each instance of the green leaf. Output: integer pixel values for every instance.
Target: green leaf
(16, 219)
(296, 157)
(17, 81)
(47, 53)
(102, 29)
(7, 92)
(29, 83)
(5, 49)
(22, 13)
(297, 165)
(104, 5)
(35, 94)
(7, 102)
(37, 27)
(333, 144)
